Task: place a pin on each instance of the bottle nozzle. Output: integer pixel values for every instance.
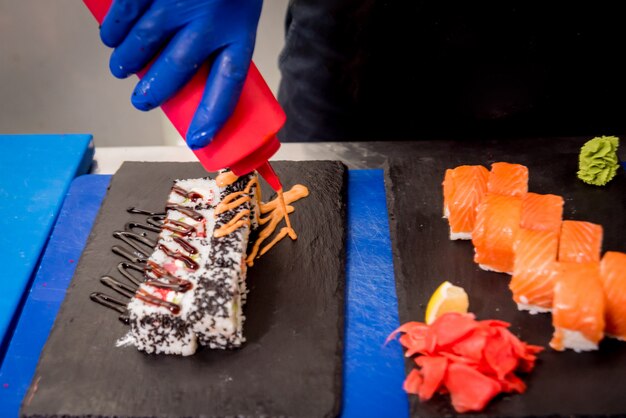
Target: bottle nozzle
(267, 172)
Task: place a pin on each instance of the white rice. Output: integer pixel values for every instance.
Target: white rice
(211, 312)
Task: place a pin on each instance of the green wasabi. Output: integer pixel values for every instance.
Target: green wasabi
(598, 162)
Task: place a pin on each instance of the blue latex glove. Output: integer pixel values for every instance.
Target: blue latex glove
(189, 32)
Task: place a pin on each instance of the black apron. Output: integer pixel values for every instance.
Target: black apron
(404, 70)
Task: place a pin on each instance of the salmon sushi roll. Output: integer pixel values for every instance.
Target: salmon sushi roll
(508, 179)
(532, 283)
(495, 231)
(448, 191)
(578, 309)
(581, 242)
(463, 189)
(542, 212)
(613, 275)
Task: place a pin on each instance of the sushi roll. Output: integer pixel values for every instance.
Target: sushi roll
(542, 212)
(158, 312)
(578, 309)
(508, 179)
(217, 317)
(532, 283)
(613, 275)
(448, 192)
(498, 217)
(197, 194)
(195, 277)
(581, 242)
(535, 252)
(157, 323)
(463, 189)
(497, 223)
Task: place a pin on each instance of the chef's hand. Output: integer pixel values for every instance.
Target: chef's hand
(189, 32)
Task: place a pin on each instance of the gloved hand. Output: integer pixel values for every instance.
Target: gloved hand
(189, 32)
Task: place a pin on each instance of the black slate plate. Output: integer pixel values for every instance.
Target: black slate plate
(563, 384)
(291, 364)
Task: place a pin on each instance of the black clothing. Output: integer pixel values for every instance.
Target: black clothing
(394, 70)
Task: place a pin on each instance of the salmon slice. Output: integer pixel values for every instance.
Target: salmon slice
(463, 189)
(613, 275)
(508, 179)
(581, 242)
(448, 191)
(542, 212)
(578, 310)
(532, 283)
(497, 223)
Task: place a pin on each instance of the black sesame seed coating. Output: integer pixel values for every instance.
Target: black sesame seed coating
(223, 284)
(159, 332)
(214, 313)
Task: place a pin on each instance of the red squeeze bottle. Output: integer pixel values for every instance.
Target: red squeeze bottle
(247, 140)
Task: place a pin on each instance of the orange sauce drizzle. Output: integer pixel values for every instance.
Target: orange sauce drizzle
(225, 178)
(229, 202)
(276, 210)
(283, 207)
(233, 225)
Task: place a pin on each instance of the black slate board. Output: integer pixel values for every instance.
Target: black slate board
(291, 364)
(563, 384)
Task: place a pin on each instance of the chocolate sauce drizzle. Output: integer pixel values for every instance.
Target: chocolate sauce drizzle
(164, 279)
(178, 227)
(193, 196)
(123, 268)
(109, 302)
(139, 211)
(136, 225)
(152, 274)
(119, 287)
(186, 245)
(196, 216)
(133, 258)
(156, 220)
(192, 265)
(132, 239)
(153, 300)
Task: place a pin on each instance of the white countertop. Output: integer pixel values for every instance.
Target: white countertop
(356, 155)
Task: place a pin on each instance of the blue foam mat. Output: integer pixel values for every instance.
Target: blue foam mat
(373, 373)
(48, 289)
(35, 174)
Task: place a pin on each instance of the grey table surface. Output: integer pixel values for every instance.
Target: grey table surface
(353, 154)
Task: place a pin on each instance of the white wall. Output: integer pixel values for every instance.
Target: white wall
(270, 40)
(54, 74)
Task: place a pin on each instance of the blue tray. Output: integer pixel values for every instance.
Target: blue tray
(373, 373)
(35, 174)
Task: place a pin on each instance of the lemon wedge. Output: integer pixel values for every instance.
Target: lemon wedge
(447, 298)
